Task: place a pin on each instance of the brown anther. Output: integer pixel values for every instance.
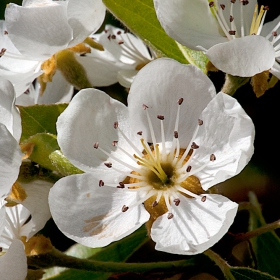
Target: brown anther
(244, 2)
(1, 249)
(116, 125)
(155, 203)
(114, 143)
(222, 6)
(177, 201)
(139, 133)
(189, 168)
(194, 146)
(231, 32)
(108, 164)
(231, 18)
(95, 145)
(113, 36)
(119, 32)
(180, 101)
(105, 30)
(274, 33)
(6, 32)
(212, 157)
(203, 199)
(145, 106)
(266, 8)
(120, 187)
(121, 184)
(124, 208)
(2, 51)
(176, 134)
(211, 4)
(233, 1)
(109, 37)
(101, 183)
(200, 122)
(120, 42)
(160, 117)
(170, 216)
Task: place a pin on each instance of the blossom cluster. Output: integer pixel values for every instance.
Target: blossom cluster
(152, 161)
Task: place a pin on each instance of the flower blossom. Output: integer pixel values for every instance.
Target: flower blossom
(232, 34)
(23, 206)
(152, 161)
(50, 33)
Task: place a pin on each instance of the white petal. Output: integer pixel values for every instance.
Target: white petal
(191, 23)
(9, 115)
(159, 85)
(243, 57)
(38, 31)
(15, 218)
(37, 203)
(85, 17)
(126, 77)
(228, 133)
(100, 72)
(92, 215)
(196, 225)
(13, 265)
(57, 91)
(88, 119)
(10, 160)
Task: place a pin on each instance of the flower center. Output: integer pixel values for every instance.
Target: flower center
(162, 171)
(227, 20)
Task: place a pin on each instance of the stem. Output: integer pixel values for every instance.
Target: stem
(221, 263)
(57, 258)
(245, 236)
(233, 83)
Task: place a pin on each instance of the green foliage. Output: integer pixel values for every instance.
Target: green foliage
(39, 119)
(62, 164)
(250, 274)
(266, 246)
(117, 252)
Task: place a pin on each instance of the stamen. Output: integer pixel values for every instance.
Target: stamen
(189, 168)
(177, 201)
(124, 208)
(203, 199)
(108, 164)
(194, 146)
(101, 183)
(170, 216)
(185, 191)
(212, 157)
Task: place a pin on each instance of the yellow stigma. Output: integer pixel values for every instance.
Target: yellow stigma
(256, 21)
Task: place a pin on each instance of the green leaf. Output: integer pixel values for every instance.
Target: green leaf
(250, 274)
(117, 252)
(266, 246)
(39, 119)
(140, 17)
(44, 145)
(62, 164)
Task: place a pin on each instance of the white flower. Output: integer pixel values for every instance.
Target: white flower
(123, 56)
(224, 31)
(165, 154)
(36, 31)
(32, 212)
